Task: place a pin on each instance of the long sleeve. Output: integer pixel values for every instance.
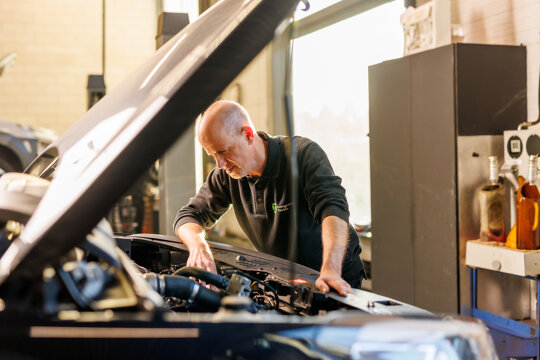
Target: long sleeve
(209, 204)
(322, 188)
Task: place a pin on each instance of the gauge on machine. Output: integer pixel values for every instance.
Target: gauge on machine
(533, 145)
(514, 147)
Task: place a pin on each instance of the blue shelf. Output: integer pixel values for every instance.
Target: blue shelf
(512, 338)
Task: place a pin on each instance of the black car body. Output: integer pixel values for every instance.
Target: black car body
(70, 288)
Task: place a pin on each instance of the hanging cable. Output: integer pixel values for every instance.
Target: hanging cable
(291, 150)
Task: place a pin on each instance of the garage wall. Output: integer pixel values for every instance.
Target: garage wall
(506, 22)
(58, 43)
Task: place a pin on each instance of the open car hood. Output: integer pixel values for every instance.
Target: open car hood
(123, 134)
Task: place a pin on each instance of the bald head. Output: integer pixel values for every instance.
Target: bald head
(226, 118)
(227, 133)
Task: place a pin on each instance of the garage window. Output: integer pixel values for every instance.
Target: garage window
(330, 89)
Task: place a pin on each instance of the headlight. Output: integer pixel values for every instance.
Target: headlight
(409, 339)
(394, 339)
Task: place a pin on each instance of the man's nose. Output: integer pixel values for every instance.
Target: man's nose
(220, 161)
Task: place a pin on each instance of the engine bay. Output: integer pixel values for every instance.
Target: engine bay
(246, 281)
(148, 272)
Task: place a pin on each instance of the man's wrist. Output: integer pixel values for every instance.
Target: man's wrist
(197, 243)
(202, 245)
(330, 267)
(193, 236)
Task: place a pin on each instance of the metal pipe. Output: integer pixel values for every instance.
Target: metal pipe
(493, 170)
(527, 124)
(533, 169)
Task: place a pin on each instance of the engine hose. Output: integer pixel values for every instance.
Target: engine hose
(184, 288)
(203, 275)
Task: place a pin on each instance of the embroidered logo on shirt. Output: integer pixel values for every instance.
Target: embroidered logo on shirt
(279, 208)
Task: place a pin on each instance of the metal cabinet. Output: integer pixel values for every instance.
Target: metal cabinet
(428, 113)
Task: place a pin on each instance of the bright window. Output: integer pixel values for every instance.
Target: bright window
(314, 6)
(191, 7)
(330, 89)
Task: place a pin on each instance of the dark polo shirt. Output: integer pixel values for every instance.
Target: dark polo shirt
(262, 205)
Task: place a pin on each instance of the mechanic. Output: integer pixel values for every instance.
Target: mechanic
(252, 174)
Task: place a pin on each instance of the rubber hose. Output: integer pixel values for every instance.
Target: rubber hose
(184, 288)
(203, 275)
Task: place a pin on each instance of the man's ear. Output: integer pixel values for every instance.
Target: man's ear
(247, 131)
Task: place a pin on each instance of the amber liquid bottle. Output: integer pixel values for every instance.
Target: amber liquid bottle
(491, 197)
(527, 201)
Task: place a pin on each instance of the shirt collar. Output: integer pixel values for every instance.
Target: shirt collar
(271, 170)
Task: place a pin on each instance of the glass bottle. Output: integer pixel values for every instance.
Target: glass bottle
(527, 200)
(492, 206)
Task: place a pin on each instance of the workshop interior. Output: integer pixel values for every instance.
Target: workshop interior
(428, 111)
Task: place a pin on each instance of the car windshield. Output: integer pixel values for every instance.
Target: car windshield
(45, 164)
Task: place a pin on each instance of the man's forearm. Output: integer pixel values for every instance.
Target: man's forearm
(192, 235)
(335, 235)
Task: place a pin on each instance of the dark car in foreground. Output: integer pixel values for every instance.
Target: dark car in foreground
(70, 288)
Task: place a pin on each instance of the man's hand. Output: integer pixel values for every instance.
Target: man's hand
(329, 279)
(201, 257)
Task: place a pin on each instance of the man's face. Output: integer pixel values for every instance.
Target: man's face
(230, 152)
